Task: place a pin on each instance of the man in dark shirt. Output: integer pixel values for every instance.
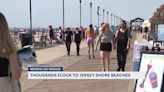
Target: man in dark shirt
(68, 35)
(122, 38)
(77, 40)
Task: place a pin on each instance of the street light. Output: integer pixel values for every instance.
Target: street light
(114, 20)
(118, 20)
(111, 18)
(30, 21)
(103, 14)
(107, 17)
(80, 11)
(30, 17)
(63, 16)
(63, 22)
(90, 12)
(98, 14)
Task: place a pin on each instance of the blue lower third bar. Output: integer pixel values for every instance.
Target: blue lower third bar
(45, 68)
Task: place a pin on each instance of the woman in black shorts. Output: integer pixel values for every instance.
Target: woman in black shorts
(105, 38)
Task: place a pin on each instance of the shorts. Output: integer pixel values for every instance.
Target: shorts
(90, 40)
(106, 47)
(61, 36)
(51, 37)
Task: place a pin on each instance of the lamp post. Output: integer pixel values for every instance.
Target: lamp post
(30, 17)
(63, 16)
(98, 14)
(103, 15)
(118, 20)
(90, 12)
(111, 18)
(107, 17)
(114, 19)
(80, 11)
(30, 21)
(63, 22)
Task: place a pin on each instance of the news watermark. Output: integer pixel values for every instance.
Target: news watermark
(55, 73)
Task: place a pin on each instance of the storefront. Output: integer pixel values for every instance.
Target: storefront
(156, 22)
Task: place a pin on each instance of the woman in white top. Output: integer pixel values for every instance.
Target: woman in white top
(8, 57)
(105, 38)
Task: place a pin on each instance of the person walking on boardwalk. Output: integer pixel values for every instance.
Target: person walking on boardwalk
(90, 40)
(105, 38)
(60, 35)
(77, 37)
(51, 34)
(122, 38)
(82, 32)
(9, 64)
(68, 34)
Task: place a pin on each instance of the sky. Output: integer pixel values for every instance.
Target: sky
(49, 12)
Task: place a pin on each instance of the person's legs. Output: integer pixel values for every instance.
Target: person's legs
(124, 55)
(51, 38)
(50, 41)
(119, 59)
(102, 54)
(122, 59)
(61, 38)
(77, 48)
(67, 47)
(108, 59)
(93, 50)
(89, 51)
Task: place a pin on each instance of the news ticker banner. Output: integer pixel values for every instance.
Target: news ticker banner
(55, 73)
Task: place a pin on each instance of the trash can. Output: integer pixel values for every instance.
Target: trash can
(26, 39)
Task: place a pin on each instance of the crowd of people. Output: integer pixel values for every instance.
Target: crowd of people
(103, 35)
(108, 41)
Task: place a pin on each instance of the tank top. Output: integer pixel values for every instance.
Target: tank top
(122, 39)
(90, 33)
(4, 65)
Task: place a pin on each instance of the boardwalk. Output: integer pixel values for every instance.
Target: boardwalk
(56, 56)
